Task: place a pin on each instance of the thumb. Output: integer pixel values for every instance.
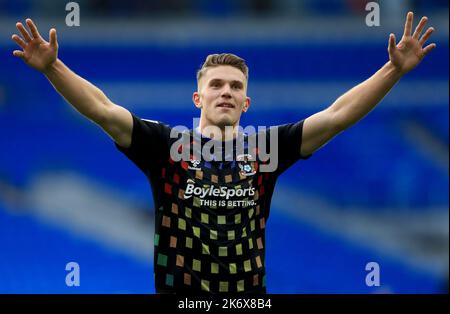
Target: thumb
(391, 47)
(19, 54)
(53, 39)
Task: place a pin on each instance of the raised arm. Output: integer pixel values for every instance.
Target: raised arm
(351, 107)
(86, 98)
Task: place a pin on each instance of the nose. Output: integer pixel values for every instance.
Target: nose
(226, 91)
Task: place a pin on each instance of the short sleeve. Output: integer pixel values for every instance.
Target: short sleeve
(149, 144)
(289, 143)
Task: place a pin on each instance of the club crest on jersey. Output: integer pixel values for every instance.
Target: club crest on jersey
(194, 164)
(246, 164)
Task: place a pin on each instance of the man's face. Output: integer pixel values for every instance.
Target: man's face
(222, 96)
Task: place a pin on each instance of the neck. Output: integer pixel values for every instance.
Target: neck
(218, 132)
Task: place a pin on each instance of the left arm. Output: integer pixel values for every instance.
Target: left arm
(352, 106)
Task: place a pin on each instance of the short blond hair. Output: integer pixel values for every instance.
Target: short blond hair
(230, 59)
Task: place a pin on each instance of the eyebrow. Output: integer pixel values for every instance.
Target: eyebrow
(217, 80)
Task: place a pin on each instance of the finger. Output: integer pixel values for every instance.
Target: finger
(420, 27)
(408, 24)
(425, 36)
(19, 41)
(428, 48)
(33, 29)
(53, 38)
(19, 54)
(23, 31)
(391, 46)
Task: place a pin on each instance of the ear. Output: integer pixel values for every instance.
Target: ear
(196, 100)
(246, 104)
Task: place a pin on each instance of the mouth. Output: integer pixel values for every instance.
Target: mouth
(226, 105)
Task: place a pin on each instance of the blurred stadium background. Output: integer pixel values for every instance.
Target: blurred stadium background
(377, 193)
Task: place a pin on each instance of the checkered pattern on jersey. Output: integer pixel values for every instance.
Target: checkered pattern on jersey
(209, 243)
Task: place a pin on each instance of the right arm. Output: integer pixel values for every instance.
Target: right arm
(92, 103)
(86, 98)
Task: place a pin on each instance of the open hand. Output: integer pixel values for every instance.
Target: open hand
(36, 52)
(408, 53)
